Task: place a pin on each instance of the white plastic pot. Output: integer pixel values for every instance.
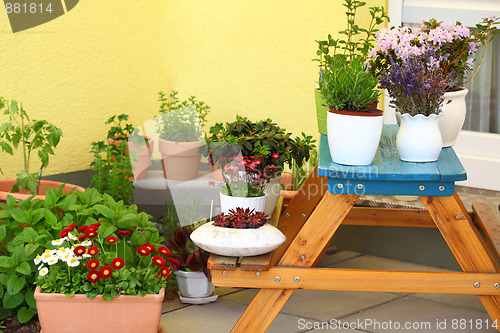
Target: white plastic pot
(454, 111)
(228, 202)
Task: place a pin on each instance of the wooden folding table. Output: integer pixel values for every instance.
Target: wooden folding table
(326, 200)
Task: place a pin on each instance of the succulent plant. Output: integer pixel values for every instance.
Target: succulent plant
(240, 218)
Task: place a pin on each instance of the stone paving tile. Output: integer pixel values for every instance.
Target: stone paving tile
(422, 316)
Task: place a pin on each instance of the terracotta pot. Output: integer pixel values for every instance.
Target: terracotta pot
(180, 160)
(141, 158)
(287, 193)
(79, 314)
(6, 186)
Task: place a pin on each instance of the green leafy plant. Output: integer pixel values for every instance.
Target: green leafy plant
(250, 153)
(346, 85)
(26, 227)
(30, 136)
(111, 163)
(181, 121)
(300, 174)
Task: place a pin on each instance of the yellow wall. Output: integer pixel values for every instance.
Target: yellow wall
(102, 58)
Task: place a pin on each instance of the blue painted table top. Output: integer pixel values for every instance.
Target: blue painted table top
(388, 174)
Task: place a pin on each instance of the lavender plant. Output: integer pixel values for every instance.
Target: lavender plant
(415, 87)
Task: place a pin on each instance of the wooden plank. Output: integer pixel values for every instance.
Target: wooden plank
(256, 263)
(216, 262)
(316, 233)
(363, 280)
(488, 218)
(299, 209)
(275, 217)
(463, 240)
(387, 165)
(389, 217)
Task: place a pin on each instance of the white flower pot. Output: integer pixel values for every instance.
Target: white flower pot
(228, 202)
(194, 284)
(237, 242)
(454, 112)
(419, 138)
(353, 137)
(272, 192)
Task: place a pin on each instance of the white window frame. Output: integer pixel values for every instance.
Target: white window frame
(478, 152)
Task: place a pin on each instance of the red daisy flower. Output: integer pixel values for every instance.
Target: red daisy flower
(93, 264)
(81, 237)
(90, 233)
(150, 247)
(64, 233)
(143, 251)
(105, 272)
(174, 262)
(93, 250)
(71, 226)
(93, 276)
(164, 250)
(111, 239)
(117, 263)
(124, 232)
(82, 228)
(79, 250)
(165, 271)
(159, 261)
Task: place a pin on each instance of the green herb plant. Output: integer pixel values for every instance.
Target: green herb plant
(31, 136)
(181, 121)
(111, 163)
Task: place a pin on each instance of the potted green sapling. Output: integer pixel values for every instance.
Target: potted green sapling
(18, 132)
(354, 125)
(181, 134)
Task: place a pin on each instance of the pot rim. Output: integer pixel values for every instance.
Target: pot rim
(440, 114)
(379, 113)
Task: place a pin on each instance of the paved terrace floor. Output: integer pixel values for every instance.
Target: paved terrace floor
(325, 311)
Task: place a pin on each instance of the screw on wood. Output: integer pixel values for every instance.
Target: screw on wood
(496, 285)
(277, 279)
(360, 186)
(421, 187)
(303, 258)
(303, 216)
(287, 215)
(340, 185)
(257, 273)
(296, 279)
(303, 242)
(477, 284)
(441, 188)
(224, 273)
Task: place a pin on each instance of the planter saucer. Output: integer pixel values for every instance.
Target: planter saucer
(198, 300)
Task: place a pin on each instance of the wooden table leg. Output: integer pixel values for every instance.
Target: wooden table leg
(303, 251)
(462, 237)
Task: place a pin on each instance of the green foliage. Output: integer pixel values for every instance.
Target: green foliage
(26, 227)
(113, 171)
(181, 121)
(346, 85)
(357, 40)
(29, 226)
(118, 130)
(31, 136)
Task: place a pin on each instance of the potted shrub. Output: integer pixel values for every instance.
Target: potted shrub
(30, 136)
(252, 156)
(181, 135)
(190, 265)
(357, 41)
(453, 46)
(419, 138)
(242, 232)
(106, 263)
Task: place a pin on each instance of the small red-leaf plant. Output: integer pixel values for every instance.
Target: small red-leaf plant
(188, 255)
(240, 218)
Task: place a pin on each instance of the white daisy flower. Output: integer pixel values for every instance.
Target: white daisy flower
(46, 257)
(57, 242)
(52, 261)
(86, 243)
(67, 257)
(43, 271)
(73, 262)
(72, 237)
(38, 259)
(86, 255)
